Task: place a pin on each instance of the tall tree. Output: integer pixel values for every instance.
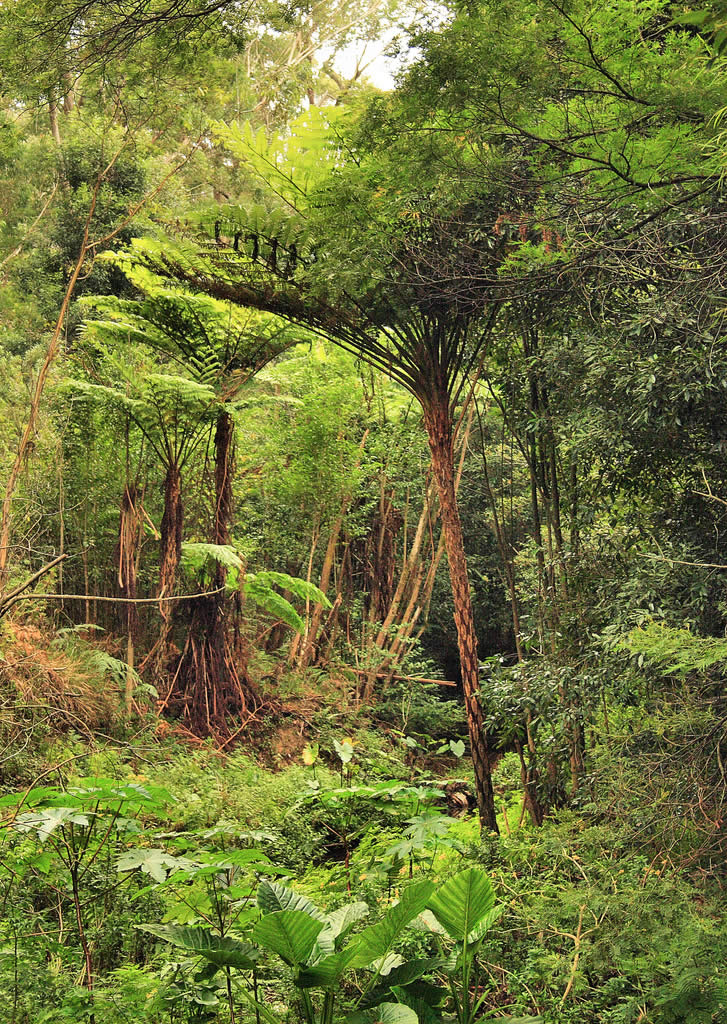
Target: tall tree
(409, 285)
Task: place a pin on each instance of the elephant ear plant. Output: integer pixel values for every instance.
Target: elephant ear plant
(316, 948)
(463, 910)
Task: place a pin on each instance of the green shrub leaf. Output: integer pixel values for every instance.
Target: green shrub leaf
(376, 941)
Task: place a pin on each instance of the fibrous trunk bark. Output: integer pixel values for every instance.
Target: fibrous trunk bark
(211, 683)
(170, 553)
(130, 533)
(439, 428)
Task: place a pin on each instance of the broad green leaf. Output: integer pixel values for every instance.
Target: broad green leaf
(386, 964)
(427, 922)
(272, 896)
(45, 822)
(325, 946)
(272, 602)
(462, 902)
(42, 862)
(291, 934)
(340, 921)
(196, 555)
(483, 926)
(301, 588)
(310, 753)
(413, 970)
(224, 952)
(326, 973)
(206, 997)
(152, 862)
(424, 998)
(344, 750)
(384, 1013)
(376, 941)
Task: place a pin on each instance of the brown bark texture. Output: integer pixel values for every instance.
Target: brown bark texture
(130, 534)
(170, 543)
(439, 428)
(211, 683)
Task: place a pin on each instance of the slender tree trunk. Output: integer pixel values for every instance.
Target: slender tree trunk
(439, 428)
(170, 552)
(170, 541)
(308, 649)
(130, 532)
(224, 456)
(298, 640)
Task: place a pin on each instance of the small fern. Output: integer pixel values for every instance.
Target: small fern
(693, 999)
(675, 650)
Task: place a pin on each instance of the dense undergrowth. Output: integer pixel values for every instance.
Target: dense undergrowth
(135, 869)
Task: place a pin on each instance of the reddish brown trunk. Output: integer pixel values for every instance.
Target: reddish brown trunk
(211, 683)
(439, 428)
(130, 532)
(170, 542)
(224, 444)
(170, 552)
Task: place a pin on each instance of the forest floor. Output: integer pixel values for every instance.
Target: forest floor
(603, 916)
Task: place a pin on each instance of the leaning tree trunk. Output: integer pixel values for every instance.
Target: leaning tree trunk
(439, 428)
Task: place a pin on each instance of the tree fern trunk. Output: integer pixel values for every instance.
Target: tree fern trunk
(211, 682)
(170, 552)
(439, 428)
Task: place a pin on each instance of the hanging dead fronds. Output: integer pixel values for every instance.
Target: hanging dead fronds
(64, 683)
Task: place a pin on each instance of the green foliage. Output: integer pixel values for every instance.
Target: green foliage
(198, 941)
(258, 587)
(676, 651)
(546, 181)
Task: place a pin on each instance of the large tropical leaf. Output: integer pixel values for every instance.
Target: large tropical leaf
(224, 952)
(272, 896)
(272, 602)
(384, 1013)
(463, 902)
(327, 972)
(301, 588)
(45, 822)
(291, 934)
(340, 921)
(412, 970)
(196, 556)
(151, 861)
(424, 998)
(376, 941)
(483, 926)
